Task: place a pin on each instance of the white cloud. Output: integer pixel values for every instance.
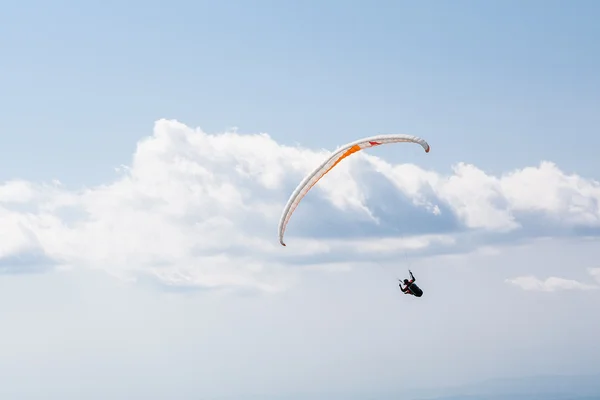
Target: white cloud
(595, 273)
(197, 209)
(551, 284)
(484, 201)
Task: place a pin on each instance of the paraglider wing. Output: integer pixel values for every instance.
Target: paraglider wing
(346, 150)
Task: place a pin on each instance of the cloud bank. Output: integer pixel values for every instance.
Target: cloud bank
(194, 209)
(554, 284)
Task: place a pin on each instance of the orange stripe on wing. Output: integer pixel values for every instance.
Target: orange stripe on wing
(348, 152)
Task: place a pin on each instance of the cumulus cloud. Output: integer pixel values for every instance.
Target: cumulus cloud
(554, 284)
(201, 210)
(551, 284)
(595, 272)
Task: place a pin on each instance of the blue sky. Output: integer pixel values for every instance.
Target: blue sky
(110, 274)
(516, 77)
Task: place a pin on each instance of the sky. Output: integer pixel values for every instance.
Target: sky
(148, 150)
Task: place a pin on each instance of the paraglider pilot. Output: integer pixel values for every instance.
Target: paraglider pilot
(411, 287)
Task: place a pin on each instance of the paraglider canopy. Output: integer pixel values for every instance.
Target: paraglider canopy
(344, 151)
